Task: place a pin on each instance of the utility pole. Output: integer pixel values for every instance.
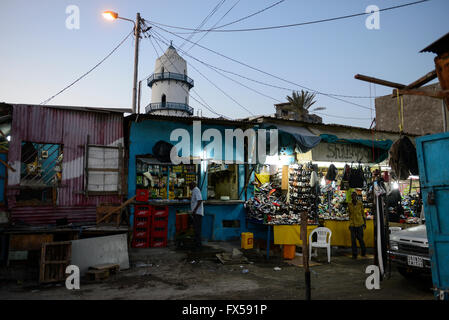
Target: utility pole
(305, 254)
(136, 60)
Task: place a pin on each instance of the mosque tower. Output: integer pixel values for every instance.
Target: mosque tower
(170, 86)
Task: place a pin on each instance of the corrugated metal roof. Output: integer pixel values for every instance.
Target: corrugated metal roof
(82, 108)
(49, 215)
(440, 46)
(322, 125)
(222, 121)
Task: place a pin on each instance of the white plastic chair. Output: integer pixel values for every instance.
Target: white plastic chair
(322, 241)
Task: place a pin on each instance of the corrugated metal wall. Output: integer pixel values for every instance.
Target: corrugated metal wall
(70, 128)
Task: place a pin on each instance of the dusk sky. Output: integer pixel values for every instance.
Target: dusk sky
(39, 55)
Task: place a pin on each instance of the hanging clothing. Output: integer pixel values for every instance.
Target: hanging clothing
(379, 226)
(403, 159)
(332, 172)
(393, 198)
(313, 179)
(357, 177)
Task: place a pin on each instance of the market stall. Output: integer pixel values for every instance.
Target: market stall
(164, 185)
(404, 203)
(320, 181)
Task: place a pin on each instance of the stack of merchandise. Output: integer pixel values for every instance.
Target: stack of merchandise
(268, 205)
(302, 196)
(367, 204)
(412, 208)
(333, 205)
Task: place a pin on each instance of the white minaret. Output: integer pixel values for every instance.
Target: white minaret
(170, 86)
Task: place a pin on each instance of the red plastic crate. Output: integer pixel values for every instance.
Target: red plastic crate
(142, 195)
(159, 222)
(142, 222)
(140, 243)
(158, 242)
(160, 211)
(184, 222)
(141, 233)
(178, 223)
(158, 232)
(142, 211)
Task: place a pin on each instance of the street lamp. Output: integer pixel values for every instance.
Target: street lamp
(111, 15)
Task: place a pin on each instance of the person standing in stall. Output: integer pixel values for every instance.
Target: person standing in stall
(357, 222)
(196, 205)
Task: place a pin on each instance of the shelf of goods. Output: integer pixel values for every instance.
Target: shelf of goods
(333, 204)
(411, 205)
(164, 181)
(270, 205)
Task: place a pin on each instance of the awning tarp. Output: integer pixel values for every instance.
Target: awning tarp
(381, 147)
(303, 137)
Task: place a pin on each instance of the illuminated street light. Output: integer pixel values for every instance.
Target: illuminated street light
(111, 15)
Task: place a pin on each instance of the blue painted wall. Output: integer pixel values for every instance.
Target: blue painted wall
(144, 135)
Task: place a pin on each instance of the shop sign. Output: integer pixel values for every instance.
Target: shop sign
(342, 152)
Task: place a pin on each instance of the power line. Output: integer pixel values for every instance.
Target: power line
(205, 104)
(226, 94)
(212, 84)
(297, 24)
(212, 68)
(215, 68)
(205, 34)
(224, 25)
(341, 117)
(267, 73)
(214, 10)
(85, 74)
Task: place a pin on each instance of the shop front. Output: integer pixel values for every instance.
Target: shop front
(162, 189)
(318, 180)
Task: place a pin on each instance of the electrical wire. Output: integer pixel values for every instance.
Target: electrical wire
(269, 74)
(92, 69)
(205, 34)
(203, 104)
(341, 117)
(184, 53)
(215, 68)
(214, 10)
(296, 24)
(221, 90)
(227, 24)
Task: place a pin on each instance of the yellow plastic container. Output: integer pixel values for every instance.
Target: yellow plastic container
(247, 240)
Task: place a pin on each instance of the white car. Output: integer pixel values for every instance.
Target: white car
(409, 251)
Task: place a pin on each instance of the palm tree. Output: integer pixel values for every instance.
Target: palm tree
(300, 103)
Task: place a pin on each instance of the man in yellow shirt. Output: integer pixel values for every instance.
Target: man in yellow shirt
(357, 222)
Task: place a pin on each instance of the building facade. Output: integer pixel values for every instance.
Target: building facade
(422, 115)
(63, 163)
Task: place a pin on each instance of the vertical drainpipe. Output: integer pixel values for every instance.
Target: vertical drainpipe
(444, 113)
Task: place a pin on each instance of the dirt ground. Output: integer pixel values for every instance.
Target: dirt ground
(173, 274)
